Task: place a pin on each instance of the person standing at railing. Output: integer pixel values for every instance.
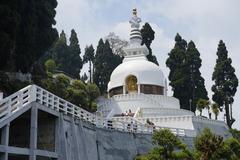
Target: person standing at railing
(148, 122)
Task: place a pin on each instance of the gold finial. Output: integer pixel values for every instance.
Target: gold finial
(134, 11)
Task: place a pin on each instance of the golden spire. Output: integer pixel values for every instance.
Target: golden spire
(134, 11)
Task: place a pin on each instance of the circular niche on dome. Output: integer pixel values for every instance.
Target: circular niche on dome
(131, 84)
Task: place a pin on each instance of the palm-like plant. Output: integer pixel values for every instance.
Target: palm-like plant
(207, 106)
(207, 144)
(201, 104)
(215, 110)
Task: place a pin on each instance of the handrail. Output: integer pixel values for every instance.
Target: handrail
(137, 113)
(139, 96)
(173, 110)
(33, 93)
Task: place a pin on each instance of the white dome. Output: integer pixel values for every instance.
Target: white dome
(145, 71)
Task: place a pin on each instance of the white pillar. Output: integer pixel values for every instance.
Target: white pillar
(33, 133)
(124, 89)
(5, 141)
(138, 88)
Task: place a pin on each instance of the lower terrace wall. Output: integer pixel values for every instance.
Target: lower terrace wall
(81, 140)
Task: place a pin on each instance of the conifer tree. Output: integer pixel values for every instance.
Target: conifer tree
(225, 82)
(185, 77)
(179, 80)
(197, 86)
(89, 57)
(147, 38)
(100, 64)
(75, 62)
(105, 62)
(67, 57)
(60, 50)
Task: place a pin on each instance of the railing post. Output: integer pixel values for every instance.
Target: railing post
(33, 93)
(57, 103)
(65, 107)
(9, 107)
(20, 100)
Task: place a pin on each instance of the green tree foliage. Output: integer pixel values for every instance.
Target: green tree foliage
(201, 104)
(193, 63)
(88, 57)
(208, 144)
(26, 28)
(38, 73)
(185, 77)
(59, 51)
(179, 80)
(76, 92)
(50, 65)
(235, 133)
(215, 110)
(67, 57)
(225, 81)
(74, 61)
(166, 145)
(105, 62)
(57, 85)
(147, 38)
(93, 93)
(230, 150)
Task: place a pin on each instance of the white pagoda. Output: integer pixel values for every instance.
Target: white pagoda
(138, 89)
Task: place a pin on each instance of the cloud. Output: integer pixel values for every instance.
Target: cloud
(122, 29)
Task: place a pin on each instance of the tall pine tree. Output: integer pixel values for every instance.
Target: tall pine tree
(105, 62)
(75, 62)
(60, 50)
(147, 38)
(67, 57)
(197, 85)
(225, 82)
(185, 77)
(179, 80)
(100, 64)
(89, 58)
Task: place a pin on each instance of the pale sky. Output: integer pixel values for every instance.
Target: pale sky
(203, 21)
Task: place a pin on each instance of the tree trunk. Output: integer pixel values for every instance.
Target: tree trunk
(90, 71)
(209, 114)
(227, 115)
(215, 116)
